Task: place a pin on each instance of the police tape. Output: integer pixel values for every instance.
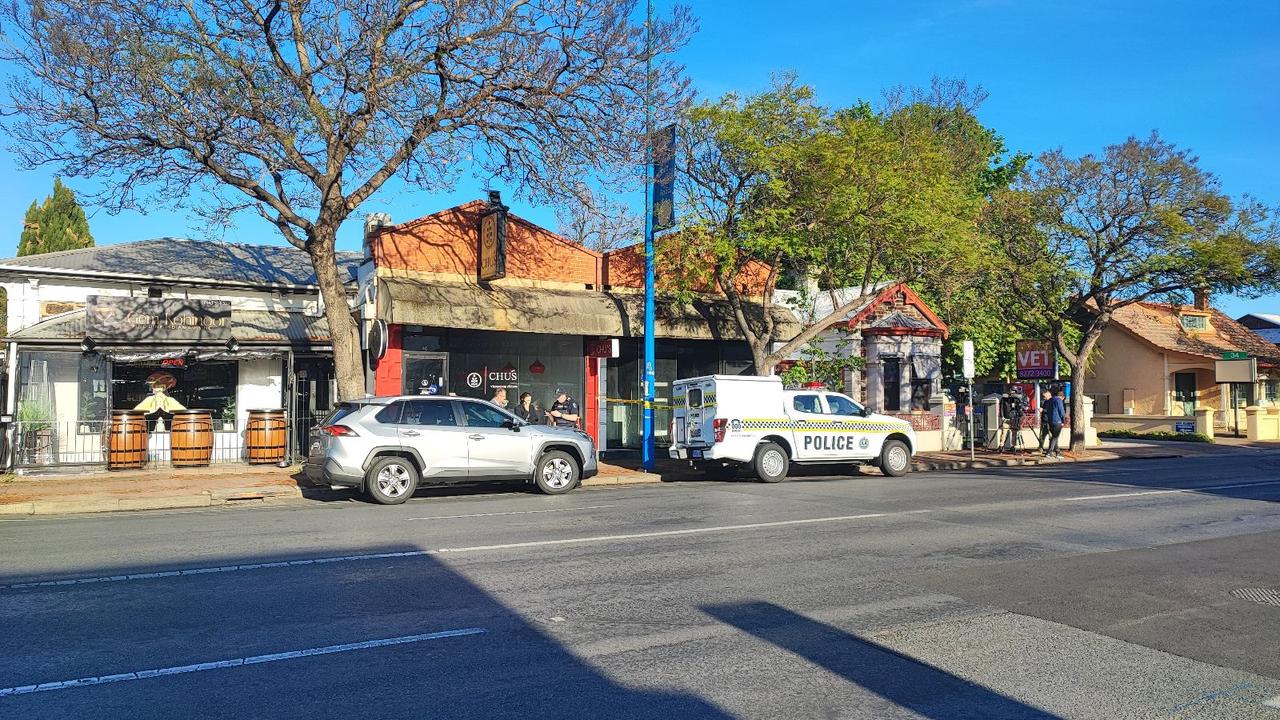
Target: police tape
(627, 401)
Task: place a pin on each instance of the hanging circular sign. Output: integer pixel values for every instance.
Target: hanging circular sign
(474, 380)
(377, 339)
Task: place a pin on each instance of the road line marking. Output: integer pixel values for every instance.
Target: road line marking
(1171, 491)
(1273, 702)
(236, 662)
(216, 569)
(672, 533)
(513, 512)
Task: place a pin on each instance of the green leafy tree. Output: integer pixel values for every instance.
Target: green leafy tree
(846, 198)
(1140, 221)
(59, 223)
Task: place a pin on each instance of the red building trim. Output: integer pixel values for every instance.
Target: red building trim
(902, 331)
(591, 400)
(388, 373)
(910, 297)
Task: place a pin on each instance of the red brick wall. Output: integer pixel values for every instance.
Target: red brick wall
(447, 243)
(624, 268)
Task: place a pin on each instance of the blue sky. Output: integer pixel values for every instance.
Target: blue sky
(1078, 75)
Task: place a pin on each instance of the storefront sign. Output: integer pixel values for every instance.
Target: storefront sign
(1035, 359)
(133, 318)
(602, 347)
(1184, 426)
(493, 245)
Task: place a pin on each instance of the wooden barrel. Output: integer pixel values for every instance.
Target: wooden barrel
(191, 438)
(127, 444)
(266, 436)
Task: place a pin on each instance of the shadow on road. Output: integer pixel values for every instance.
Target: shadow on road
(515, 668)
(914, 685)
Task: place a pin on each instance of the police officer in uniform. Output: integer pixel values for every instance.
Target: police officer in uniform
(564, 411)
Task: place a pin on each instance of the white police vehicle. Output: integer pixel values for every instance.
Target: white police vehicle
(722, 423)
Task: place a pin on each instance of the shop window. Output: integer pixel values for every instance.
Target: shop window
(1271, 390)
(198, 386)
(920, 391)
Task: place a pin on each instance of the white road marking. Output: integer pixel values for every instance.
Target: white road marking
(513, 512)
(236, 662)
(1203, 488)
(672, 533)
(1273, 702)
(588, 539)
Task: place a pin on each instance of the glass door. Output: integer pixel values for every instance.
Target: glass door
(1184, 392)
(426, 373)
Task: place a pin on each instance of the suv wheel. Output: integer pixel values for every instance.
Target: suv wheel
(771, 463)
(556, 473)
(895, 459)
(391, 480)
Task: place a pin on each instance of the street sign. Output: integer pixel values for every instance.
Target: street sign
(969, 370)
(1233, 355)
(1236, 371)
(1184, 426)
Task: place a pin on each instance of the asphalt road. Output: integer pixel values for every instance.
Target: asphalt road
(1072, 591)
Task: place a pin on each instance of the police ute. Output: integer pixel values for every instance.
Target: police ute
(725, 423)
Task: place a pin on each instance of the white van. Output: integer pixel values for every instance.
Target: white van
(722, 423)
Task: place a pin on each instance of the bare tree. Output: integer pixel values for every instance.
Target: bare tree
(594, 221)
(301, 110)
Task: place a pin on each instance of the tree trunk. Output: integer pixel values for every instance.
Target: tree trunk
(345, 337)
(760, 360)
(1078, 372)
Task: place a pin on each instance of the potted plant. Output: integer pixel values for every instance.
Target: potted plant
(35, 420)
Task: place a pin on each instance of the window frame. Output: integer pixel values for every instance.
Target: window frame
(1202, 322)
(817, 400)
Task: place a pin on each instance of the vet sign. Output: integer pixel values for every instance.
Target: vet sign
(1035, 360)
(1184, 426)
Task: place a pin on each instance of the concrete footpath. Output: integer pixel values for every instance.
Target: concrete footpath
(167, 488)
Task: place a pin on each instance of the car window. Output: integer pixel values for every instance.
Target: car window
(390, 415)
(807, 404)
(437, 413)
(841, 405)
(695, 397)
(339, 412)
(478, 415)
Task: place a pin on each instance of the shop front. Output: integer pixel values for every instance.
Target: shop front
(175, 375)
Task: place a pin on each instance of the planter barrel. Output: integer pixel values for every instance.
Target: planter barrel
(191, 438)
(266, 436)
(127, 442)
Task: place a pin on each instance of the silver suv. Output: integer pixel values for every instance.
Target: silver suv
(384, 446)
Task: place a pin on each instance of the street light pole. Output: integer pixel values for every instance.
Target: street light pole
(647, 450)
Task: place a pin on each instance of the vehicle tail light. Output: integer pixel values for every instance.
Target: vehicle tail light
(340, 431)
(719, 425)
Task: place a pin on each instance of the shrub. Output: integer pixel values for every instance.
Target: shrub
(1157, 435)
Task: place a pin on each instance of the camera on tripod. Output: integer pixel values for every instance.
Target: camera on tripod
(1013, 404)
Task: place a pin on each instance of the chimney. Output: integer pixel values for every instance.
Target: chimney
(373, 222)
(1202, 299)
(495, 198)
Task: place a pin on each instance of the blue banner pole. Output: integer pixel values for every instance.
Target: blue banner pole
(647, 449)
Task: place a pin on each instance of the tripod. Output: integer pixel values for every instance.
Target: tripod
(1015, 443)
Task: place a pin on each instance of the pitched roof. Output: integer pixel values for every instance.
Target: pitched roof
(1159, 324)
(185, 260)
(251, 326)
(1270, 318)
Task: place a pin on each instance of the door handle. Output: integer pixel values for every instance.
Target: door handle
(411, 433)
(476, 437)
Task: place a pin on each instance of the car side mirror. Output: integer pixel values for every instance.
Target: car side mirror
(511, 425)
(866, 412)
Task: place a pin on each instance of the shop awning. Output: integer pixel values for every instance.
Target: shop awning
(561, 312)
(247, 326)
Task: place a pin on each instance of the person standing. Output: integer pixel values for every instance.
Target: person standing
(527, 410)
(564, 411)
(1056, 410)
(499, 397)
(1044, 419)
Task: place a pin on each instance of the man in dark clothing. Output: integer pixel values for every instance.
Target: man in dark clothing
(564, 411)
(1056, 414)
(1045, 397)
